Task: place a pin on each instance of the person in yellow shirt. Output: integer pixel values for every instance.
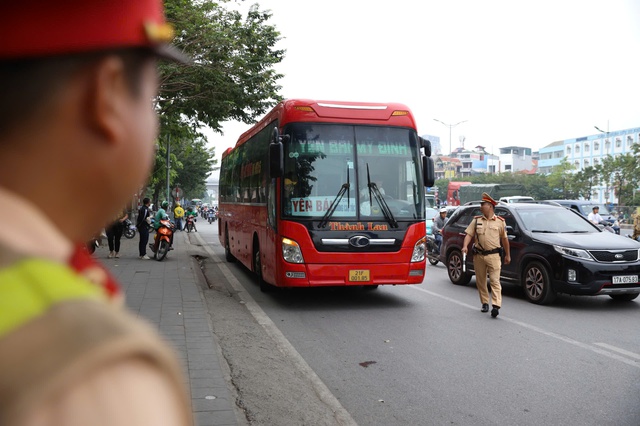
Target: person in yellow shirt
(636, 225)
(178, 214)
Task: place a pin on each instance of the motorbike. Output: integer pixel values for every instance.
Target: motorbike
(190, 224)
(128, 229)
(164, 239)
(606, 226)
(211, 216)
(432, 250)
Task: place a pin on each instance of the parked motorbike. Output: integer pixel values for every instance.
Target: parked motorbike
(432, 250)
(163, 239)
(128, 229)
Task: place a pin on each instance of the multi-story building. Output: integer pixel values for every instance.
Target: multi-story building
(512, 159)
(588, 151)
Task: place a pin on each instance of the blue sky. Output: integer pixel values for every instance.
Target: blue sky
(523, 73)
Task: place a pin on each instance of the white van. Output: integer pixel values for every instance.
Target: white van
(517, 199)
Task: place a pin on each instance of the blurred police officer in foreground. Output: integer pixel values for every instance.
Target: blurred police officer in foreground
(77, 129)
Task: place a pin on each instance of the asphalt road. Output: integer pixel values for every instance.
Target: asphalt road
(426, 355)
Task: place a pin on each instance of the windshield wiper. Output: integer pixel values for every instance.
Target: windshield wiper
(332, 208)
(575, 232)
(544, 231)
(386, 211)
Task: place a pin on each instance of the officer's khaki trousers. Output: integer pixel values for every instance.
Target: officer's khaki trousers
(483, 265)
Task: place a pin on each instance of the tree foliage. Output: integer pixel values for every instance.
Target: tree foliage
(231, 78)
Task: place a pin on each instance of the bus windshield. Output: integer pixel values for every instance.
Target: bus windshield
(366, 172)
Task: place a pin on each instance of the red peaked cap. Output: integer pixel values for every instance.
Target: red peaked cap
(486, 198)
(39, 28)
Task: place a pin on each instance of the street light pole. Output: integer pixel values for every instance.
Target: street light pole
(450, 126)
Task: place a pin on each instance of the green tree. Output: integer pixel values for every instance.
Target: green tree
(231, 78)
(559, 179)
(584, 181)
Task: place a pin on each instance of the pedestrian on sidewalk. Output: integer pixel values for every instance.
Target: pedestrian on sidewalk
(143, 226)
(79, 79)
(114, 234)
(178, 214)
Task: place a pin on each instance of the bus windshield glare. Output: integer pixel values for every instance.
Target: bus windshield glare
(367, 172)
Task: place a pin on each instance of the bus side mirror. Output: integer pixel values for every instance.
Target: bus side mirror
(428, 170)
(276, 156)
(426, 144)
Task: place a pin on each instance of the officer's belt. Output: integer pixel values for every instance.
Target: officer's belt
(486, 252)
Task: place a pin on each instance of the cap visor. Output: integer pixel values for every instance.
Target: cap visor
(172, 53)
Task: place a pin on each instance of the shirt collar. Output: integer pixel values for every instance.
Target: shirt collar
(30, 231)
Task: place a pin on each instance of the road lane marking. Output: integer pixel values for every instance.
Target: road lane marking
(619, 350)
(599, 349)
(341, 414)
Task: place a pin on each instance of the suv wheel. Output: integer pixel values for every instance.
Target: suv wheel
(454, 268)
(537, 284)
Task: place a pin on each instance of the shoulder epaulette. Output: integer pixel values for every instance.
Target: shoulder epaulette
(477, 217)
(501, 218)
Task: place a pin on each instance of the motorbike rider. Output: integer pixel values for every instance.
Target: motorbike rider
(594, 217)
(160, 215)
(438, 223)
(192, 214)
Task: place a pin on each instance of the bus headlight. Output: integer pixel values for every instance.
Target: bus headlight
(291, 251)
(419, 250)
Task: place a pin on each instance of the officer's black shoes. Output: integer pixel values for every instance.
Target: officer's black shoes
(495, 311)
(485, 308)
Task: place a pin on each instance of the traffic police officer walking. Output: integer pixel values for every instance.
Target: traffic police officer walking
(489, 230)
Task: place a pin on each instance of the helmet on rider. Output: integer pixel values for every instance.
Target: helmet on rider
(164, 204)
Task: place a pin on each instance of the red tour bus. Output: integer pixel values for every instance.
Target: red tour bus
(325, 193)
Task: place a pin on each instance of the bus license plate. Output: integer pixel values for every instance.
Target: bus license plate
(359, 275)
(625, 279)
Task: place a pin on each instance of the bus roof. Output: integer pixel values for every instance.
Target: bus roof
(320, 111)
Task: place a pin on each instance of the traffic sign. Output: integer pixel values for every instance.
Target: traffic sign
(177, 192)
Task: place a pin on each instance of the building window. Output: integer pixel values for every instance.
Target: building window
(618, 143)
(507, 167)
(586, 163)
(596, 161)
(577, 164)
(577, 148)
(607, 145)
(568, 150)
(596, 146)
(629, 140)
(586, 147)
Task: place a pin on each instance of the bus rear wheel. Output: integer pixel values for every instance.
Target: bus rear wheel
(227, 250)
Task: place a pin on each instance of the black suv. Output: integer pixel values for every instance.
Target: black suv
(553, 250)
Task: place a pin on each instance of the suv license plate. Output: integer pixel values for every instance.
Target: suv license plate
(625, 279)
(359, 275)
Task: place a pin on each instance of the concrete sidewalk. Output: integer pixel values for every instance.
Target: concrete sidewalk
(169, 295)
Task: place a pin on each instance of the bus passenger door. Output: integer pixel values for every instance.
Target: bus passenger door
(269, 246)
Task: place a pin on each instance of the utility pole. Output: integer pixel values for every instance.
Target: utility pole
(168, 164)
(450, 126)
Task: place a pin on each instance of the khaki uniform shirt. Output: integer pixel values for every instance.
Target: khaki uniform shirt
(489, 231)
